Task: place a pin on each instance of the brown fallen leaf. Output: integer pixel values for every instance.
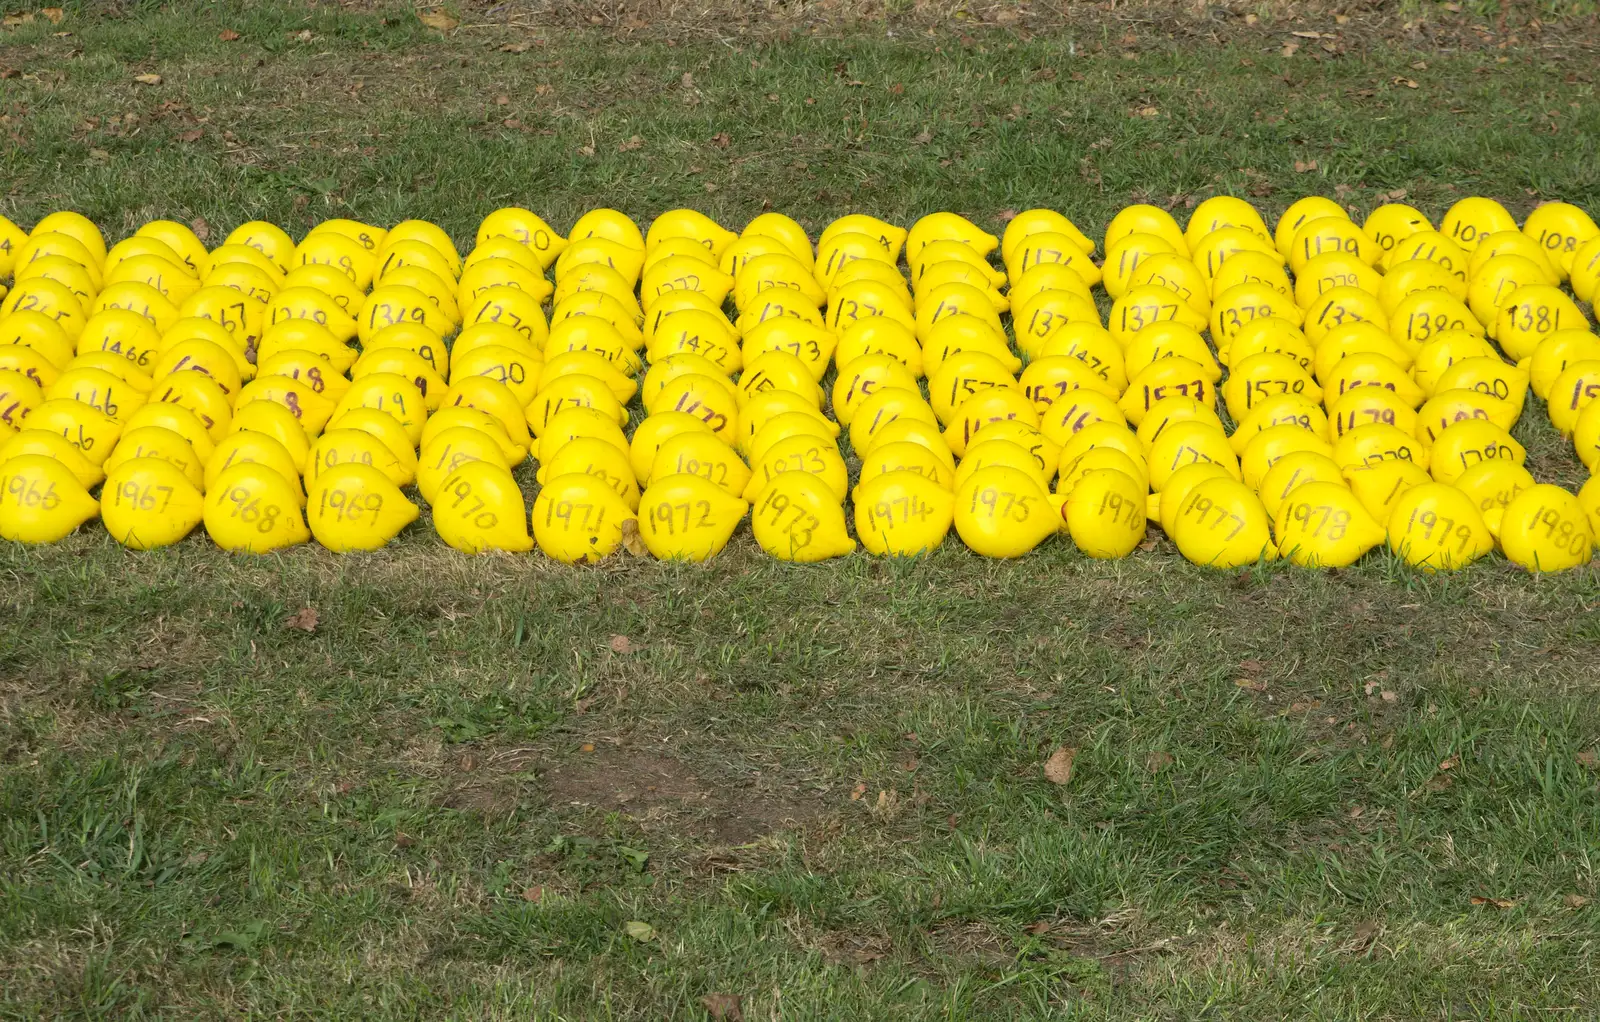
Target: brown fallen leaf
(622, 644)
(1589, 758)
(1451, 763)
(1158, 761)
(1250, 684)
(1058, 768)
(1410, 83)
(727, 1007)
(1289, 49)
(1304, 166)
(632, 538)
(502, 100)
(99, 155)
(192, 135)
(858, 792)
(1038, 929)
(202, 230)
(1496, 902)
(13, 20)
(586, 747)
(922, 137)
(520, 47)
(403, 840)
(228, 35)
(1147, 111)
(721, 140)
(304, 35)
(439, 21)
(1396, 193)
(533, 894)
(1574, 900)
(53, 15)
(148, 79)
(631, 144)
(305, 619)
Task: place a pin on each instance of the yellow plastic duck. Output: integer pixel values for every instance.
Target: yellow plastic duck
(41, 501)
(479, 507)
(276, 422)
(909, 456)
(250, 508)
(578, 518)
(1002, 451)
(1165, 504)
(169, 432)
(1323, 525)
(1589, 499)
(250, 447)
(948, 227)
(1436, 527)
(1492, 485)
(684, 516)
(149, 503)
(1292, 471)
(816, 455)
(1469, 443)
(700, 452)
(796, 517)
(53, 445)
(902, 513)
(526, 227)
(449, 449)
(1222, 524)
(1105, 513)
(1545, 528)
(353, 506)
(596, 457)
(1004, 512)
(348, 445)
(91, 431)
(688, 223)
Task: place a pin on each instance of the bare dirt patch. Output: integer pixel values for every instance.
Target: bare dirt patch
(661, 793)
(853, 948)
(973, 943)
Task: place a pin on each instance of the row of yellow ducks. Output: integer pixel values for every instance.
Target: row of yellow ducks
(1327, 372)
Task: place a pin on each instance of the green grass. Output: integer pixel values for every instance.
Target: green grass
(821, 786)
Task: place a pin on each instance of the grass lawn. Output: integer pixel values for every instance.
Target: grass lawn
(500, 788)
